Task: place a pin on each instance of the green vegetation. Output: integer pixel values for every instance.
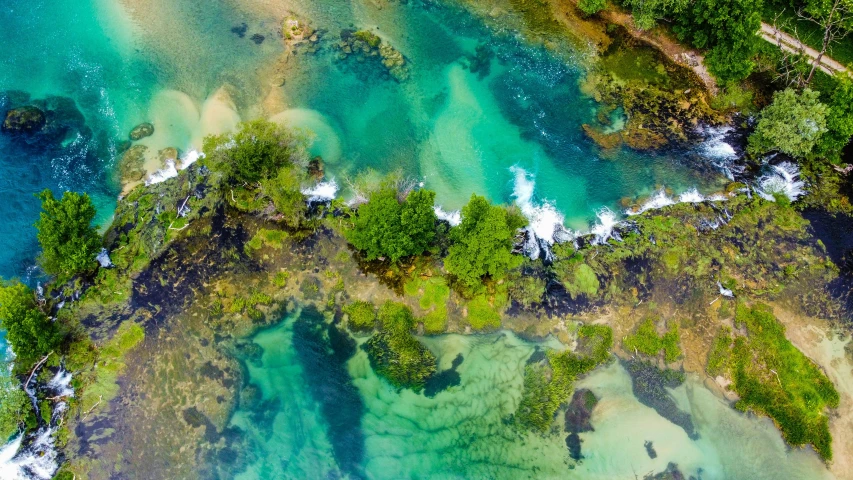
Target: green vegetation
(481, 314)
(388, 227)
(839, 120)
(647, 341)
(30, 333)
(100, 383)
(395, 353)
(591, 7)
(773, 378)
(433, 294)
(549, 385)
(482, 243)
(269, 238)
(69, 242)
(14, 404)
(792, 124)
(527, 290)
(577, 277)
(362, 315)
(647, 12)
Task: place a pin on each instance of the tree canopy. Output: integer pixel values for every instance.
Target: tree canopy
(28, 330)
(69, 242)
(14, 404)
(792, 124)
(482, 242)
(839, 120)
(387, 227)
(256, 151)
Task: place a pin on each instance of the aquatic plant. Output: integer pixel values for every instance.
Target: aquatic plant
(68, 241)
(362, 315)
(548, 385)
(773, 378)
(395, 353)
(647, 341)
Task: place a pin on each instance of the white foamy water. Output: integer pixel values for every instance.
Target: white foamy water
(659, 200)
(453, 218)
(190, 158)
(784, 179)
(604, 229)
(545, 222)
(169, 171)
(721, 154)
(322, 192)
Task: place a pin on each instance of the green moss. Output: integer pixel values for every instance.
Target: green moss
(482, 315)
(110, 364)
(773, 378)
(263, 237)
(432, 294)
(362, 315)
(280, 279)
(719, 358)
(647, 341)
(577, 277)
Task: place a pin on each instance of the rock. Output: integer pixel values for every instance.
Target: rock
(606, 141)
(316, 169)
(257, 38)
(24, 120)
(131, 166)
(141, 131)
(638, 137)
(123, 146)
(166, 154)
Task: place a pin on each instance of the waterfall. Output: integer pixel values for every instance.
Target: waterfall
(323, 192)
(453, 218)
(545, 222)
(784, 179)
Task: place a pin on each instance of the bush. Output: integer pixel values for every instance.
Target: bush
(483, 242)
(395, 353)
(362, 315)
(14, 404)
(386, 227)
(69, 242)
(284, 190)
(30, 333)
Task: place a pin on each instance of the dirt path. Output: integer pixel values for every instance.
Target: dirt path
(790, 44)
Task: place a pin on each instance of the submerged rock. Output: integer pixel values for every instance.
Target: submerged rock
(141, 131)
(606, 141)
(131, 165)
(24, 120)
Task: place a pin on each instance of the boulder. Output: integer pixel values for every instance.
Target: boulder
(24, 120)
(141, 131)
(131, 166)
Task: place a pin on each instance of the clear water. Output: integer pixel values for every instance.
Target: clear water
(178, 64)
(463, 431)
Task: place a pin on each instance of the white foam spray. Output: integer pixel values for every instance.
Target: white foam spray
(545, 222)
(165, 173)
(605, 228)
(784, 179)
(321, 192)
(454, 217)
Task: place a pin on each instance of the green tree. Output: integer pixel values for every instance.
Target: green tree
(647, 12)
(14, 404)
(256, 151)
(28, 330)
(482, 242)
(285, 191)
(591, 7)
(727, 28)
(69, 242)
(386, 227)
(839, 120)
(792, 124)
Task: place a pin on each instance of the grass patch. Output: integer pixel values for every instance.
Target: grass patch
(773, 378)
(266, 238)
(362, 315)
(482, 315)
(647, 341)
(432, 294)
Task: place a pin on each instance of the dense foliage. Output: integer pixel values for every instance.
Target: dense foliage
(388, 227)
(255, 152)
(772, 377)
(395, 353)
(549, 385)
(28, 330)
(69, 242)
(839, 120)
(14, 404)
(591, 7)
(483, 242)
(647, 341)
(792, 124)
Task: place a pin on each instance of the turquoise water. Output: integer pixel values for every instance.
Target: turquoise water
(322, 412)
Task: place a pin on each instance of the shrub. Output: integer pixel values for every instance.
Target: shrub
(591, 7)
(14, 404)
(792, 124)
(69, 242)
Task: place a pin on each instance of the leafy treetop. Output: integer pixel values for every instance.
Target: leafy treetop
(28, 330)
(792, 124)
(69, 242)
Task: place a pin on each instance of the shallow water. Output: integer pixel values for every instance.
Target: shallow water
(465, 430)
